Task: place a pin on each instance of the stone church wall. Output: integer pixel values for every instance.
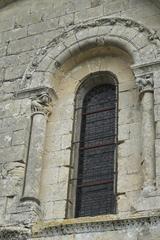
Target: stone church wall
(47, 48)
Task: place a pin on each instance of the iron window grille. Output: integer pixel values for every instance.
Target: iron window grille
(96, 178)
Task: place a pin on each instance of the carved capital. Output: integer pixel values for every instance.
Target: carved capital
(42, 104)
(145, 83)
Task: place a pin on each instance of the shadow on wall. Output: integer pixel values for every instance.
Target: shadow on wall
(3, 3)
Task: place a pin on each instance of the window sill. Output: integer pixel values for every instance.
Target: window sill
(95, 224)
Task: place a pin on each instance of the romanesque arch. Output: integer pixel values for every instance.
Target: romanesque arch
(134, 38)
(38, 82)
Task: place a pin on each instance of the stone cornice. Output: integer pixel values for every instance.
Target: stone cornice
(145, 65)
(33, 92)
(82, 225)
(95, 224)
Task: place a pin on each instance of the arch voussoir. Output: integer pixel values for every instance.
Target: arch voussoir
(125, 34)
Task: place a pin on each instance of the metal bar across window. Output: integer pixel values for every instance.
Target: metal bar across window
(98, 111)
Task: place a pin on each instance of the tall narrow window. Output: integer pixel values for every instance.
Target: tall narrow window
(96, 176)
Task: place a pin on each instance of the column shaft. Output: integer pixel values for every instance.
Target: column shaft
(34, 165)
(41, 108)
(148, 140)
(145, 84)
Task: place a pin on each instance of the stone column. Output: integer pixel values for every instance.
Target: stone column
(41, 108)
(145, 84)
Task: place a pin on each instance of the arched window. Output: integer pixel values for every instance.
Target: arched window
(96, 168)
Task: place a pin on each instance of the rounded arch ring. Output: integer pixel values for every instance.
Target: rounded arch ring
(138, 41)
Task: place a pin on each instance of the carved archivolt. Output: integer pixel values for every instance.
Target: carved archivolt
(124, 32)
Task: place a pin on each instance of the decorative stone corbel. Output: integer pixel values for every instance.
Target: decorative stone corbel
(145, 84)
(41, 108)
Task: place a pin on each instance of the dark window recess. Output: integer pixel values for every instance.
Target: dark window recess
(97, 153)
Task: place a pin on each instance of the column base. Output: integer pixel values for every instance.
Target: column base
(30, 199)
(27, 213)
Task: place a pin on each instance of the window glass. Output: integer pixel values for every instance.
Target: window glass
(95, 194)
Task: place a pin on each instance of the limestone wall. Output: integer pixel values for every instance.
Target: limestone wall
(53, 45)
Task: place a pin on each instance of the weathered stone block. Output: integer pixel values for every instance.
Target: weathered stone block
(54, 140)
(95, 3)
(157, 112)
(10, 87)
(157, 147)
(31, 42)
(47, 173)
(14, 34)
(2, 209)
(59, 209)
(27, 17)
(81, 5)
(149, 203)
(58, 158)
(112, 7)
(7, 24)
(5, 139)
(128, 182)
(12, 154)
(13, 124)
(9, 109)
(127, 99)
(66, 20)
(43, 26)
(18, 137)
(14, 73)
(2, 71)
(157, 95)
(124, 132)
(15, 60)
(11, 186)
(21, 45)
(63, 174)
(66, 141)
(3, 50)
(158, 129)
(123, 203)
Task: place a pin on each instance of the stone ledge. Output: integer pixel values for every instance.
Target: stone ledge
(95, 224)
(32, 92)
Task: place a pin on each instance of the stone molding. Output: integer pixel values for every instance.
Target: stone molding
(87, 35)
(34, 92)
(96, 226)
(145, 83)
(58, 229)
(77, 226)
